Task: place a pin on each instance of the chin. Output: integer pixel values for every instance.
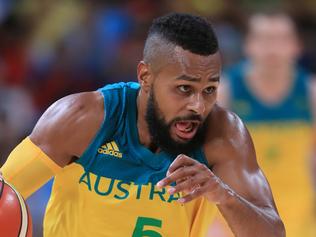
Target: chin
(180, 140)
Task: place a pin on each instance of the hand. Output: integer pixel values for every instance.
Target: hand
(194, 179)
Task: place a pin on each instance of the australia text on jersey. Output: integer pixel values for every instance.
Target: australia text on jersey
(120, 190)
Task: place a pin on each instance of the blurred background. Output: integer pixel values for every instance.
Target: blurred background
(49, 49)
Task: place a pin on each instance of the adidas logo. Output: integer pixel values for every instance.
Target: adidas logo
(110, 149)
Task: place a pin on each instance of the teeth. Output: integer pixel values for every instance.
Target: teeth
(189, 129)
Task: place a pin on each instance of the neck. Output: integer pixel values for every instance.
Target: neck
(142, 126)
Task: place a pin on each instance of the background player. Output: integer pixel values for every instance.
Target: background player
(276, 99)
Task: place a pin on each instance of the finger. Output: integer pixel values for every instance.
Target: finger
(200, 168)
(177, 176)
(180, 161)
(197, 192)
(181, 180)
(189, 184)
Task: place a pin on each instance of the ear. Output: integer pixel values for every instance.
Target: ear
(144, 76)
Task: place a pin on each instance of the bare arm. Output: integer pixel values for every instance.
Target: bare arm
(235, 184)
(67, 127)
(249, 208)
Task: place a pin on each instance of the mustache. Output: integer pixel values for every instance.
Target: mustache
(189, 117)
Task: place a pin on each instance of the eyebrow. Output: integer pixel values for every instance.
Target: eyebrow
(197, 79)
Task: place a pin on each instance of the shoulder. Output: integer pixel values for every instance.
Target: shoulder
(74, 107)
(67, 126)
(80, 102)
(120, 88)
(228, 139)
(117, 95)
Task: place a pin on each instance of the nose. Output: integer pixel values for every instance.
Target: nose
(197, 104)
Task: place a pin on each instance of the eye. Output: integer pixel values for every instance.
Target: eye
(184, 88)
(209, 90)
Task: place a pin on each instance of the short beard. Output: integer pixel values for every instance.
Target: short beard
(159, 130)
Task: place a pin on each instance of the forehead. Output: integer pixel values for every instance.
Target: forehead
(196, 65)
(271, 25)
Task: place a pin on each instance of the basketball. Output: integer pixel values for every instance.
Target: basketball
(15, 218)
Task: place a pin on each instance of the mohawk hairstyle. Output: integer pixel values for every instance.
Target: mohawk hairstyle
(192, 33)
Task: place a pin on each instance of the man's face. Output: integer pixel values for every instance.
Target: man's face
(272, 41)
(181, 98)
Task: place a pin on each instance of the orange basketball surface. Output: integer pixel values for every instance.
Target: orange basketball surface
(15, 219)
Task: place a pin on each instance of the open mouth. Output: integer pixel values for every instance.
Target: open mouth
(186, 130)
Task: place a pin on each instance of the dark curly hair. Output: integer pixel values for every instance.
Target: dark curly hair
(192, 33)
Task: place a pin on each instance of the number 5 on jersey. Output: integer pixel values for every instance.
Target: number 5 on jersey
(144, 222)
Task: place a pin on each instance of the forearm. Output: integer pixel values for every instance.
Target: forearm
(245, 219)
(28, 168)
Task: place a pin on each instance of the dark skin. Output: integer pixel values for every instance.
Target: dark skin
(187, 85)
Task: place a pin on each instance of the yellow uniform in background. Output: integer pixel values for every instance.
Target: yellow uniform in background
(282, 136)
(283, 151)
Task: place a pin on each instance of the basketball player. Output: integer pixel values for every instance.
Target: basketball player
(152, 158)
(273, 97)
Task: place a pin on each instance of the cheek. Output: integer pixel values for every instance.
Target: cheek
(170, 104)
(210, 105)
